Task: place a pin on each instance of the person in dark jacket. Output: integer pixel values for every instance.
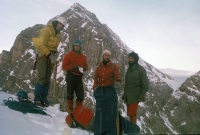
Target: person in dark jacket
(46, 44)
(136, 86)
(75, 63)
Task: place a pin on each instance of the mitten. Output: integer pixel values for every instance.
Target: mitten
(119, 79)
(76, 68)
(53, 58)
(141, 98)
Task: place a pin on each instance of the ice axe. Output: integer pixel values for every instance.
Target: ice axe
(54, 82)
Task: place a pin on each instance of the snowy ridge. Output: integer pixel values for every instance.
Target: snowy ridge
(157, 76)
(189, 88)
(118, 40)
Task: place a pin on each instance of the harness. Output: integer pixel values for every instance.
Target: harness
(45, 58)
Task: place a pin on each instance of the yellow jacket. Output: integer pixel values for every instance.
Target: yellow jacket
(47, 40)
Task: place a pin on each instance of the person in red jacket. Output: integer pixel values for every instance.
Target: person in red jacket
(75, 63)
(106, 96)
(107, 72)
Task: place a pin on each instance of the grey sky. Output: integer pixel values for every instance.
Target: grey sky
(165, 33)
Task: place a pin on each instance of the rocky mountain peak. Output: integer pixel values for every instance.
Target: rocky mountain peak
(78, 11)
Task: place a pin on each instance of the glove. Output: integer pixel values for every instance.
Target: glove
(76, 68)
(119, 79)
(141, 98)
(53, 58)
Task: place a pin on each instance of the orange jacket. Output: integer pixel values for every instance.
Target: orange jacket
(105, 75)
(71, 59)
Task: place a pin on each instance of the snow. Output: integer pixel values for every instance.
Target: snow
(172, 112)
(172, 83)
(168, 124)
(16, 123)
(83, 25)
(183, 123)
(12, 73)
(194, 90)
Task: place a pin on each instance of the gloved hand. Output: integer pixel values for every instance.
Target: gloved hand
(119, 79)
(141, 98)
(53, 58)
(76, 68)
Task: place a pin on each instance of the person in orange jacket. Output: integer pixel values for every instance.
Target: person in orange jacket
(106, 96)
(107, 72)
(75, 63)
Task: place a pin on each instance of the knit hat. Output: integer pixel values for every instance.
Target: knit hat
(135, 56)
(106, 51)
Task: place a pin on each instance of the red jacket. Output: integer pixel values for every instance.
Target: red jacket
(71, 59)
(105, 75)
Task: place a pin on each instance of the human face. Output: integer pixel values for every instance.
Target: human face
(60, 26)
(77, 48)
(130, 60)
(106, 57)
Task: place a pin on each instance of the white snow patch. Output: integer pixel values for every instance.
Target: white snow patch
(17, 123)
(172, 112)
(83, 25)
(168, 124)
(183, 123)
(195, 90)
(12, 73)
(141, 104)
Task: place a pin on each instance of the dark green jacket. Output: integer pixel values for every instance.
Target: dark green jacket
(136, 82)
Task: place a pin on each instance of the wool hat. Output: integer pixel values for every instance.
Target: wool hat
(135, 56)
(106, 51)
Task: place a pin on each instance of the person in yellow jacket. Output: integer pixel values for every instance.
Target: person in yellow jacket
(46, 43)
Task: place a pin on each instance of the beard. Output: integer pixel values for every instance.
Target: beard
(105, 61)
(131, 63)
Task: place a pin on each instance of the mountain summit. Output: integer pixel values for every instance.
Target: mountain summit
(16, 69)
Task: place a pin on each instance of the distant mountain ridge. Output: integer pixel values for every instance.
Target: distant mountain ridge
(154, 114)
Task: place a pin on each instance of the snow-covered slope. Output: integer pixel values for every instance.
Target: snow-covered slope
(16, 123)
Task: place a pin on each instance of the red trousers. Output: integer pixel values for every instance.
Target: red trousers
(132, 109)
(132, 112)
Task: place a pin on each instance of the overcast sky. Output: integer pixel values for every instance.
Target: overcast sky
(165, 33)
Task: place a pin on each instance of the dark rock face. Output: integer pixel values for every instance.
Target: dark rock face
(184, 106)
(17, 64)
(159, 114)
(4, 64)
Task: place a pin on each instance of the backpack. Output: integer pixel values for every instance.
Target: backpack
(82, 117)
(127, 127)
(24, 106)
(106, 110)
